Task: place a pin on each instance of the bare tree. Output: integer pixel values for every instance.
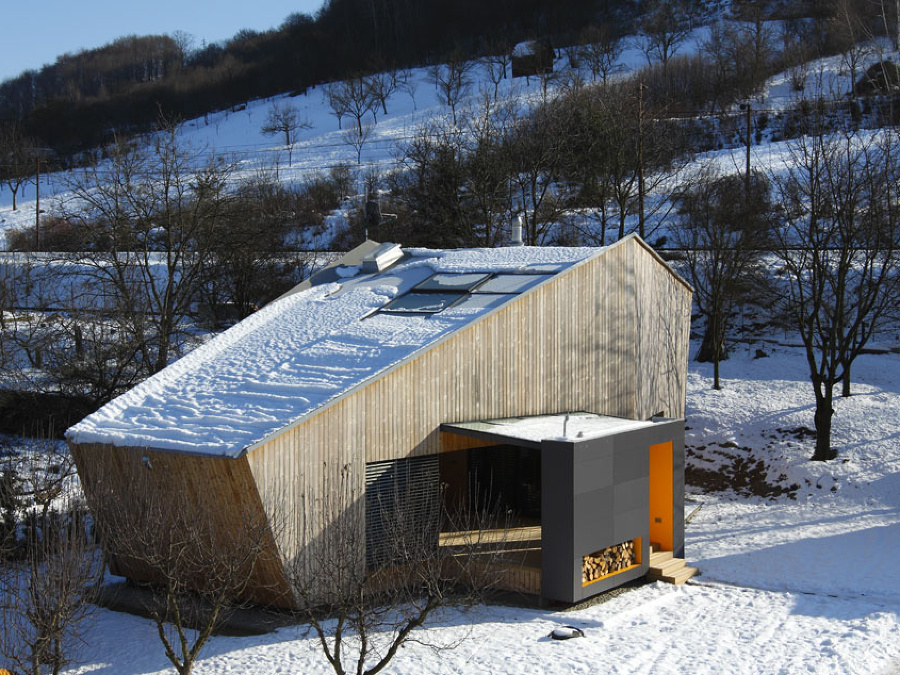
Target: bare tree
(357, 138)
(383, 85)
(352, 97)
(486, 185)
(838, 245)
(336, 101)
(149, 219)
(453, 81)
(601, 50)
(537, 159)
(47, 590)
(185, 43)
(198, 569)
(406, 81)
(664, 28)
(17, 158)
(722, 238)
(285, 119)
(497, 65)
(740, 53)
(366, 595)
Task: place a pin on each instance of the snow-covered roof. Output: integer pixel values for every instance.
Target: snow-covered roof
(576, 426)
(527, 48)
(304, 350)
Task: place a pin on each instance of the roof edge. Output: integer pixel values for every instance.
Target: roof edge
(652, 251)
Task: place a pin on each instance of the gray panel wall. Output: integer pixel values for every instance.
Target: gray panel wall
(595, 494)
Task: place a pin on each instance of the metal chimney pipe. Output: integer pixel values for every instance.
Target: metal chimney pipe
(516, 239)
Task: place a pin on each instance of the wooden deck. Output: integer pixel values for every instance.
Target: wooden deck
(520, 564)
(505, 536)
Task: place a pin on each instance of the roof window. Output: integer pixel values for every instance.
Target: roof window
(471, 290)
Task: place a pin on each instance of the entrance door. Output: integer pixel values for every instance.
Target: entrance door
(662, 526)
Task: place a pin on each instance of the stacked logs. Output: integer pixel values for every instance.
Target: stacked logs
(607, 561)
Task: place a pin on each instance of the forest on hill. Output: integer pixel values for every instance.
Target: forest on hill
(77, 102)
(82, 100)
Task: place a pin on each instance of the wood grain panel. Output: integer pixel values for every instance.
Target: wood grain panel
(218, 493)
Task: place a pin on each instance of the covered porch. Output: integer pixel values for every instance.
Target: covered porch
(584, 496)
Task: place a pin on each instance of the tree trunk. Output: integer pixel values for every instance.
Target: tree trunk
(824, 414)
(712, 347)
(845, 383)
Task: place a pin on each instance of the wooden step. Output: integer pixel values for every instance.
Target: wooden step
(665, 567)
(659, 557)
(678, 577)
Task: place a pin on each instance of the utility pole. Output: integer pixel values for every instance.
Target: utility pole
(746, 106)
(37, 206)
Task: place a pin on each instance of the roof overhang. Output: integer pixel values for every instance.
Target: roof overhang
(531, 431)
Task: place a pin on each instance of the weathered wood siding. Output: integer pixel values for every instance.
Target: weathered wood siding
(663, 323)
(219, 493)
(609, 337)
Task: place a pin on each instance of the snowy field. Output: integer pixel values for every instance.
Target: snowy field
(807, 582)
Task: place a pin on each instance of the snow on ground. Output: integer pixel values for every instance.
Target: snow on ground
(807, 583)
(655, 629)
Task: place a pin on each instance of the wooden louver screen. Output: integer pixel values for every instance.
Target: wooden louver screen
(402, 509)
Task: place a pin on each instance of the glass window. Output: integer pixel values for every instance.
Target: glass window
(461, 283)
(511, 283)
(422, 303)
(482, 301)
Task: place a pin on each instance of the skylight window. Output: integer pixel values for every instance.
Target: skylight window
(483, 301)
(422, 303)
(511, 283)
(443, 282)
(470, 291)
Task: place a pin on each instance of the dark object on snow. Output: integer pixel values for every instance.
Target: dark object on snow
(880, 78)
(375, 218)
(566, 633)
(761, 354)
(373, 214)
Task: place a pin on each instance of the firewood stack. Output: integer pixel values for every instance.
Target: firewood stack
(607, 561)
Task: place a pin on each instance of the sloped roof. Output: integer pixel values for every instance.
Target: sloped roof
(302, 351)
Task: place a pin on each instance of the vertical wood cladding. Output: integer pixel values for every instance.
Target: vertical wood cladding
(219, 493)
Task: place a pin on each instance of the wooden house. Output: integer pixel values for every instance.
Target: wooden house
(534, 57)
(559, 372)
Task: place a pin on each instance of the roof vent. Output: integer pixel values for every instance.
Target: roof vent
(381, 258)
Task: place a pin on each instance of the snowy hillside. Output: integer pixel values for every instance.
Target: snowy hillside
(237, 134)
